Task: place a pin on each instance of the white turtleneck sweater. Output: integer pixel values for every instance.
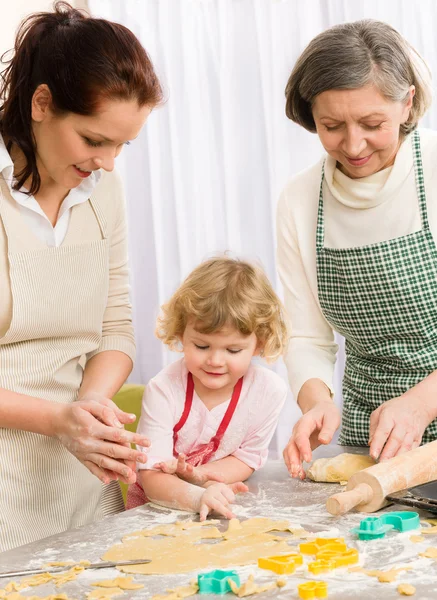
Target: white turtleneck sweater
(357, 212)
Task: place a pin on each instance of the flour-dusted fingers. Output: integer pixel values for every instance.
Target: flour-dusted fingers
(220, 506)
(122, 417)
(102, 474)
(204, 511)
(238, 487)
(182, 466)
(103, 461)
(227, 496)
(292, 458)
(122, 452)
(381, 434)
(217, 497)
(330, 423)
(394, 443)
(166, 467)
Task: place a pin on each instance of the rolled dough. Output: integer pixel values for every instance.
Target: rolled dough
(338, 468)
(242, 544)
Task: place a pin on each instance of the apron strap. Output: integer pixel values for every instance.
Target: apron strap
(229, 412)
(420, 181)
(320, 230)
(187, 407)
(217, 438)
(101, 219)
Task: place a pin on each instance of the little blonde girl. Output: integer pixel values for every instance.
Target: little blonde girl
(210, 416)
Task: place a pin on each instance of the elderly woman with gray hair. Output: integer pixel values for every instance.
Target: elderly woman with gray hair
(356, 245)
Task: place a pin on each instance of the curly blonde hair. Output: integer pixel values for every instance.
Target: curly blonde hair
(226, 292)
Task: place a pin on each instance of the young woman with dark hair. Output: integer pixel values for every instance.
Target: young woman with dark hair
(76, 90)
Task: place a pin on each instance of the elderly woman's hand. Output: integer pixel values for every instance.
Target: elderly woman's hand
(315, 427)
(92, 430)
(398, 425)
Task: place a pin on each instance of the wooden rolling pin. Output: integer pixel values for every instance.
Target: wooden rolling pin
(367, 489)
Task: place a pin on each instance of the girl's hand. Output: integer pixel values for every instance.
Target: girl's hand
(195, 475)
(315, 427)
(92, 430)
(217, 497)
(398, 425)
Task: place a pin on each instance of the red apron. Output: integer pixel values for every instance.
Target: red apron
(203, 453)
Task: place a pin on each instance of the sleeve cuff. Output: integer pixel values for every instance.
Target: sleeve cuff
(114, 342)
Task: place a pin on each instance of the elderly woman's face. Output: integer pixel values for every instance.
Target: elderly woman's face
(360, 128)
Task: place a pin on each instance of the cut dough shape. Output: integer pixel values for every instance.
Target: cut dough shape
(383, 576)
(250, 587)
(124, 583)
(338, 468)
(42, 578)
(104, 593)
(430, 552)
(417, 538)
(405, 589)
(242, 544)
(183, 591)
(429, 530)
(18, 596)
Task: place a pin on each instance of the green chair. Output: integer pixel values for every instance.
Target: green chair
(129, 399)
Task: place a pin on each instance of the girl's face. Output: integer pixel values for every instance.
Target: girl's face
(69, 147)
(360, 128)
(218, 360)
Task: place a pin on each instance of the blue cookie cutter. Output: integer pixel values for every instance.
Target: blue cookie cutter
(373, 528)
(217, 582)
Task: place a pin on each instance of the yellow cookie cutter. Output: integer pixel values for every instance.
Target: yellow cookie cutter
(340, 559)
(320, 566)
(318, 544)
(283, 565)
(313, 589)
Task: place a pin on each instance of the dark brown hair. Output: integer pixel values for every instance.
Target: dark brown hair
(82, 60)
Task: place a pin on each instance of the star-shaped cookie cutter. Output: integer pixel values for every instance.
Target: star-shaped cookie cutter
(217, 581)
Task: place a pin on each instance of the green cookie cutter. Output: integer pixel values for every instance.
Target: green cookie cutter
(217, 582)
(373, 528)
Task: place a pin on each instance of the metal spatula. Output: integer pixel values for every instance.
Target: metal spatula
(100, 565)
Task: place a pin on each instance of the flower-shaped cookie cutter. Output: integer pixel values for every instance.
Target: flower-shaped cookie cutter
(313, 589)
(284, 564)
(321, 566)
(217, 581)
(372, 528)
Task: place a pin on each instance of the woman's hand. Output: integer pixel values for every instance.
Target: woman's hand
(398, 425)
(92, 430)
(195, 475)
(217, 497)
(315, 427)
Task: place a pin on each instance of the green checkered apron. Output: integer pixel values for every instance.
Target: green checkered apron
(383, 299)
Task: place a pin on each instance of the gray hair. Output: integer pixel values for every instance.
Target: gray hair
(352, 55)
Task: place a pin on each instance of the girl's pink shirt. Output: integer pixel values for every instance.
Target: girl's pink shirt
(249, 433)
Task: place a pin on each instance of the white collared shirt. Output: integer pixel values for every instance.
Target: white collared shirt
(32, 212)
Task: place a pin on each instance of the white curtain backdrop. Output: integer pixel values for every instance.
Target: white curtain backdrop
(205, 174)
